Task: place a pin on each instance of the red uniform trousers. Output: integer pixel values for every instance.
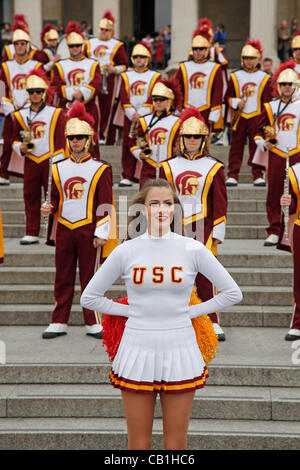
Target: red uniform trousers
(70, 246)
(295, 322)
(128, 160)
(246, 127)
(147, 172)
(276, 176)
(108, 107)
(8, 127)
(35, 178)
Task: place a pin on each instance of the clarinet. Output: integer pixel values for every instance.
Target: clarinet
(286, 209)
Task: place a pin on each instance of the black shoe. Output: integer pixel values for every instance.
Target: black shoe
(52, 334)
(96, 335)
(289, 337)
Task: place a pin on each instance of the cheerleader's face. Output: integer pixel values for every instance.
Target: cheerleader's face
(159, 206)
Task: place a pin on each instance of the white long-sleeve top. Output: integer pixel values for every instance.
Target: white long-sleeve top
(159, 274)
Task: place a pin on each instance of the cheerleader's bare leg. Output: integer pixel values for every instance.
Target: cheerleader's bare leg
(139, 412)
(176, 409)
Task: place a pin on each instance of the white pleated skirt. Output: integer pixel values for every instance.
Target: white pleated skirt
(149, 361)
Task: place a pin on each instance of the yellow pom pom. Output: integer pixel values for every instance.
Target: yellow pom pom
(206, 337)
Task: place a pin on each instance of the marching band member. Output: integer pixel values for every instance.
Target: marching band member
(111, 55)
(48, 55)
(248, 89)
(198, 180)
(78, 78)
(291, 200)
(12, 74)
(279, 127)
(19, 28)
(156, 132)
(44, 126)
(135, 96)
(82, 199)
(201, 80)
(295, 47)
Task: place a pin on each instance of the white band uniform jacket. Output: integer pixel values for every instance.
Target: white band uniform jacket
(159, 274)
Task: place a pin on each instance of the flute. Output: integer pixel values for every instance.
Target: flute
(286, 209)
(48, 191)
(157, 161)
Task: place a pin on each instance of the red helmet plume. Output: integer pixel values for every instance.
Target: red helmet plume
(203, 31)
(77, 110)
(192, 111)
(256, 44)
(73, 27)
(109, 16)
(45, 30)
(288, 64)
(20, 22)
(42, 74)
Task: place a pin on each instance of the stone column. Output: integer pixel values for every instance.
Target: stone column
(184, 20)
(101, 7)
(32, 9)
(263, 26)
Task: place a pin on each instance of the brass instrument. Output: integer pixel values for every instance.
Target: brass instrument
(104, 73)
(26, 136)
(142, 143)
(270, 134)
(236, 116)
(286, 209)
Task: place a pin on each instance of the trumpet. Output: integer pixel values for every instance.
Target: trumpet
(104, 73)
(270, 134)
(27, 138)
(142, 143)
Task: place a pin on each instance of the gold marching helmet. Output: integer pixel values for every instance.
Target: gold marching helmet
(20, 30)
(142, 48)
(169, 88)
(252, 48)
(202, 38)
(295, 44)
(48, 33)
(73, 34)
(285, 73)
(80, 123)
(192, 123)
(37, 79)
(107, 22)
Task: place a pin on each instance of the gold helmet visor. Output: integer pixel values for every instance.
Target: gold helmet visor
(74, 38)
(20, 35)
(193, 126)
(160, 89)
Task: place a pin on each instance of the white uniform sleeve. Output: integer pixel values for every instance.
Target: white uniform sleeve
(93, 296)
(229, 292)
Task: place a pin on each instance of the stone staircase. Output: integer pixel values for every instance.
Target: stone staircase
(56, 395)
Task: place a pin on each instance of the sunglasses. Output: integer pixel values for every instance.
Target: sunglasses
(139, 56)
(193, 136)
(286, 84)
(38, 91)
(159, 98)
(248, 57)
(71, 46)
(20, 43)
(77, 137)
(296, 48)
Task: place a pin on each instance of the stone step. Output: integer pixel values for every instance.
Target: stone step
(243, 276)
(83, 401)
(28, 293)
(111, 435)
(241, 315)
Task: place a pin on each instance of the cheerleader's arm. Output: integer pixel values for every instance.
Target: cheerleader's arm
(93, 296)
(229, 292)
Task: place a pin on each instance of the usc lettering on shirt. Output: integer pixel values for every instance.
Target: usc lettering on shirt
(251, 87)
(76, 183)
(158, 274)
(198, 81)
(287, 126)
(191, 179)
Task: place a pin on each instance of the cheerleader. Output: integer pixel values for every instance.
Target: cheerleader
(158, 352)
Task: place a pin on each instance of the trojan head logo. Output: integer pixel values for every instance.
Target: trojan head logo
(100, 51)
(197, 80)
(248, 89)
(19, 82)
(38, 129)
(158, 136)
(73, 187)
(286, 122)
(138, 88)
(76, 77)
(187, 183)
